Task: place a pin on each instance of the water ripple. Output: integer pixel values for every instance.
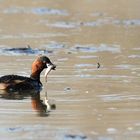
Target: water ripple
(97, 48)
(37, 11)
(118, 97)
(30, 36)
(95, 23)
(134, 56)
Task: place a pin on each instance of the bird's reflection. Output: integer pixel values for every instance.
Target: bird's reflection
(42, 108)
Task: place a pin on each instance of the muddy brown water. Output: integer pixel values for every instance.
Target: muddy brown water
(91, 103)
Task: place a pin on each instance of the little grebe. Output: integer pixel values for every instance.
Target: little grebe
(21, 83)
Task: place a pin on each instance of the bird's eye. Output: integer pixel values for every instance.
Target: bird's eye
(48, 65)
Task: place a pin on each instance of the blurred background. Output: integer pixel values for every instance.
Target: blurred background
(91, 103)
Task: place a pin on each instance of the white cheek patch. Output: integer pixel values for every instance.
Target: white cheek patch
(49, 67)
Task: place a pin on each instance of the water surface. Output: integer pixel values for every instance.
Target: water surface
(91, 103)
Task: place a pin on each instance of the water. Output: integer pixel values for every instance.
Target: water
(91, 103)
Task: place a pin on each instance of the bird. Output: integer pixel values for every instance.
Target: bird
(14, 83)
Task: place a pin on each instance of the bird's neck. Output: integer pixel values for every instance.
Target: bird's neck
(35, 75)
(36, 70)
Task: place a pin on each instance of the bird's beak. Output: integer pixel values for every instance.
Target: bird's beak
(53, 66)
